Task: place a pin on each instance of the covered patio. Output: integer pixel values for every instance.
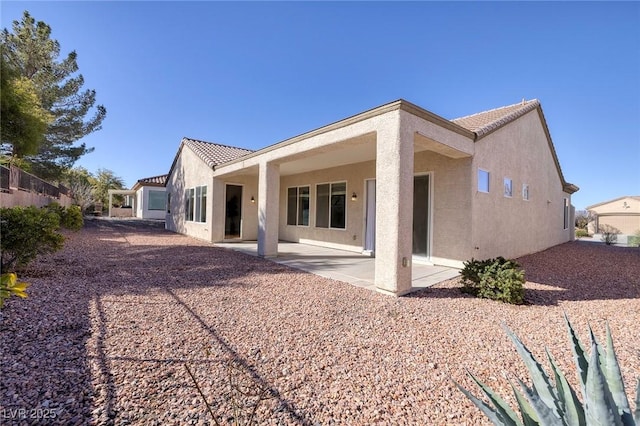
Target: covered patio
(128, 209)
(340, 265)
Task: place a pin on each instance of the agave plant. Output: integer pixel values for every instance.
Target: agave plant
(604, 401)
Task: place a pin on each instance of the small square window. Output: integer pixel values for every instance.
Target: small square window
(508, 187)
(483, 180)
(525, 191)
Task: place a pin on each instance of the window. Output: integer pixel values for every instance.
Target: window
(566, 213)
(196, 204)
(331, 205)
(508, 187)
(201, 204)
(156, 200)
(322, 205)
(525, 191)
(168, 202)
(298, 206)
(188, 208)
(483, 180)
(303, 206)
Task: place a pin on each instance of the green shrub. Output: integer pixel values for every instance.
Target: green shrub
(580, 233)
(26, 233)
(547, 402)
(496, 279)
(70, 217)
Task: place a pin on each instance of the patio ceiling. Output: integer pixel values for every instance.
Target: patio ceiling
(351, 151)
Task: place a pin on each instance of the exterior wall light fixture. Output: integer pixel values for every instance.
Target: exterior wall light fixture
(253, 200)
(354, 196)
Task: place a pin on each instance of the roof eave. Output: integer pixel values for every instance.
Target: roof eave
(399, 104)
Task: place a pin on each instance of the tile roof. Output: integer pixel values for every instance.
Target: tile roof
(486, 122)
(154, 180)
(214, 154)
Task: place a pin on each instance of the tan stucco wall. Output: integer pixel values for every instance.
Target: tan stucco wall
(618, 206)
(450, 204)
(189, 171)
(512, 227)
(623, 214)
(23, 198)
(352, 235)
(451, 215)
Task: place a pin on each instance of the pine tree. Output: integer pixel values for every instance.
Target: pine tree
(30, 51)
(23, 121)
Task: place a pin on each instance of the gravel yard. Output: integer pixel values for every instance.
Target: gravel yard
(114, 317)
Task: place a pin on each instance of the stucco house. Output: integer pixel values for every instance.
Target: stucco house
(397, 182)
(151, 196)
(146, 199)
(622, 213)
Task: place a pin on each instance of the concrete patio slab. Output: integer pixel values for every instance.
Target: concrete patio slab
(349, 267)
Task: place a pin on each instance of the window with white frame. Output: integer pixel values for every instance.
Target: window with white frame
(525, 191)
(196, 204)
(483, 180)
(156, 200)
(331, 205)
(298, 206)
(565, 209)
(189, 203)
(508, 188)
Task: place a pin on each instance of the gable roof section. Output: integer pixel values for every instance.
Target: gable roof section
(475, 126)
(634, 197)
(487, 122)
(213, 154)
(150, 181)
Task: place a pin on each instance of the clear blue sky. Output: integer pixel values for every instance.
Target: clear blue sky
(252, 74)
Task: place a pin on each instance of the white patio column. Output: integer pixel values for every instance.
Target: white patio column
(268, 209)
(216, 205)
(394, 206)
(110, 203)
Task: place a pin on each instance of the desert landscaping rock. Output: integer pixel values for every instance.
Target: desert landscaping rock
(113, 318)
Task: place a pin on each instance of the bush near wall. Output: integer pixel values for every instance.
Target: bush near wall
(581, 233)
(497, 279)
(26, 233)
(70, 217)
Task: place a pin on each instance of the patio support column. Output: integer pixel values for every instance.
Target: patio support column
(110, 202)
(394, 209)
(268, 209)
(217, 205)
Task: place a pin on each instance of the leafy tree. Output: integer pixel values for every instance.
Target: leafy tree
(584, 218)
(23, 121)
(104, 181)
(80, 182)
(30, 51)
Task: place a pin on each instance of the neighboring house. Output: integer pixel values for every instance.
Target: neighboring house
(151, 197)
(396, 181)
(147, 199)
(622, 213)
